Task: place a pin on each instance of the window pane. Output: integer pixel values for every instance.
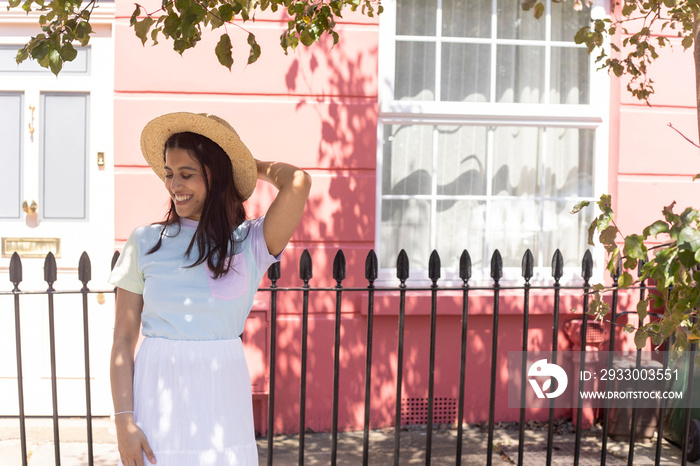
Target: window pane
(566, 231)
(462, 18)
(566, 21)
(460, 226)
(569, 171)
(516, 161)
(520, 74)
(64, 155)
(465, 73)
(10, 154)
(569, 76)
(405, 225)
(407, 163)
(415, 71)
(416, 17)
(514, 227)
(461, 168)
(516, 23)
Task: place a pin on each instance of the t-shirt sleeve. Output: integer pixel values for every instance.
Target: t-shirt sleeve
(262, 255)
(126, 273)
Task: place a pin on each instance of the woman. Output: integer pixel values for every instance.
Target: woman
(189, 284)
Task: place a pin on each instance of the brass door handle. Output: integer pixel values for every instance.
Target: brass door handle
(29, 208)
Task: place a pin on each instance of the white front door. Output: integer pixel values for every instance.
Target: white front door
(56, 193)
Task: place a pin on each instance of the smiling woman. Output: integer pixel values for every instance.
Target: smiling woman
(187, 397)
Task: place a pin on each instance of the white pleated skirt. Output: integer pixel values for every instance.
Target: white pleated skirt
(193, 401)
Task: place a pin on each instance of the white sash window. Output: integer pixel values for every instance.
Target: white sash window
(491, 128)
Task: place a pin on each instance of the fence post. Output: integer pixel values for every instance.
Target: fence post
(85, 275)
(586, 274)
(611, 347)
(527, 267)
(402, 269)
(434, 275)
(338, 276)
(496, 274)
(371, 273)
(273, 273)
(50, 279)
(305, 273)
(557, 272)
(16, 279)
(465, 273)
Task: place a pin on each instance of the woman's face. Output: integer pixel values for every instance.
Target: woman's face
(185, 182)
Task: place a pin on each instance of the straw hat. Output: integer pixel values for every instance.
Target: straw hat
(158, 130)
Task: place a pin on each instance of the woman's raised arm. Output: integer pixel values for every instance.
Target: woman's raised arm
(285, 212)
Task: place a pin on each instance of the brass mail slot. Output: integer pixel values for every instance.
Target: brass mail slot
(31, 247)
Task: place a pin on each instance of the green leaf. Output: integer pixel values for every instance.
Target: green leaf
(607, 238)
(135, 16)
(141, 28)
(642, 309)
(625, 280)
(539, 10)
(655, 228)
(223, 51)
(634, 247)
(305, 37)
(690, 237)
(577, 208)
(687, 42)
(55, 62)
(226, 12)
(68, 52)
(640, 338)
(254, 49)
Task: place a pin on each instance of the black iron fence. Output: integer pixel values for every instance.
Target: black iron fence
(371, 275)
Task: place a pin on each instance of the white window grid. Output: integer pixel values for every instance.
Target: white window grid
(593, 115)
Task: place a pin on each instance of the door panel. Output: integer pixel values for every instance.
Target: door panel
(10, 154)
(64, 156)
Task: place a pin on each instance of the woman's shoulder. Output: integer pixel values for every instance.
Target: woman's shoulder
(147, 232)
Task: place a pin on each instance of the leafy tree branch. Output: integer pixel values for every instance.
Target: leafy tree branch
(673, 268)
(65, 22)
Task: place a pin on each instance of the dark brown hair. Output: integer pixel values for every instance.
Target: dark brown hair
(223, 209)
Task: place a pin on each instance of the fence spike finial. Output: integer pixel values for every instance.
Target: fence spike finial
(84, 268)
(15, 269)
(557, 265)
(115, 258)
(402, 266)
(274, 272)
(339, 267)
(528, 265)
(371, 267)
(305, 269)
(496, 266)
(434, 267)
(465, 266)
(587, 266)
(50, 269)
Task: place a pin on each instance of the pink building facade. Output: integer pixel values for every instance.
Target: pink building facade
(441, 125)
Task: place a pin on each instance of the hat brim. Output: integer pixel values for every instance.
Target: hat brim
(158, 130)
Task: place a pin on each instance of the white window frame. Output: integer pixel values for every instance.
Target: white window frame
(594, 115)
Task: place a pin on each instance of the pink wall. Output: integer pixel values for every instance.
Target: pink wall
(317, 108)
(651, 164)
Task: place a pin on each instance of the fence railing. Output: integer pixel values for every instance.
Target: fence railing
(371, 275)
